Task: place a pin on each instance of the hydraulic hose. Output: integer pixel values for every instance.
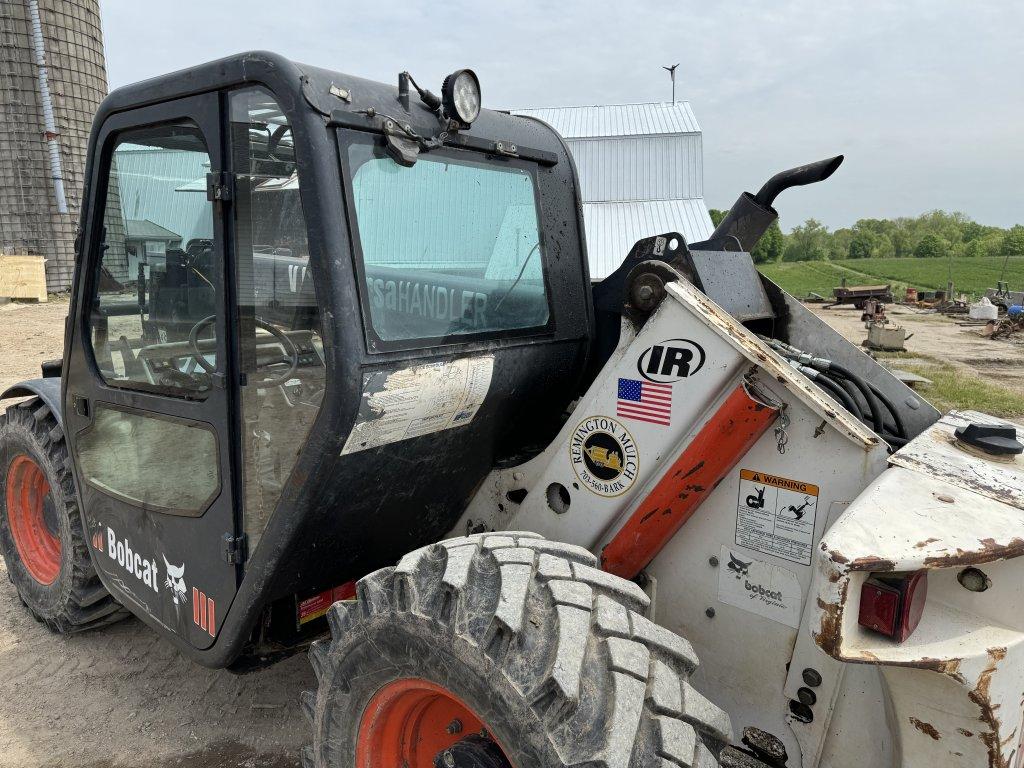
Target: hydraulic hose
(859, 383)
(860, 411)
(901, 428)
(837, 392)
(848, 389)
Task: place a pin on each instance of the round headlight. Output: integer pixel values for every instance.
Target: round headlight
(461, 95)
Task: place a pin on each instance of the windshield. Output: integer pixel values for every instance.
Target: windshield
(449, 246)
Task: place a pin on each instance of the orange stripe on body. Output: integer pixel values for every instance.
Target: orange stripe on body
(703, 464)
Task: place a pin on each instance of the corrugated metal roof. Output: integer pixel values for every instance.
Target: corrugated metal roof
(147, 230)
(654, 119)
(613, 228)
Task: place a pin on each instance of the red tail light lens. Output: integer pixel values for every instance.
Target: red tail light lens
(892, 605)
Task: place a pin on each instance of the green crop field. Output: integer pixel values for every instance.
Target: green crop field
(971, 276)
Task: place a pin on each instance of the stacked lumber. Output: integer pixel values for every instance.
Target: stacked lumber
(22, 277)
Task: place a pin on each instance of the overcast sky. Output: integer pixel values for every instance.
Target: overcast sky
(924, 97)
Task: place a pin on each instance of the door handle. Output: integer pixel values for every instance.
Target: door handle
(81, 405)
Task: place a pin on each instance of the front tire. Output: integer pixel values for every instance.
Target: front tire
(41, 534)
(515, 640)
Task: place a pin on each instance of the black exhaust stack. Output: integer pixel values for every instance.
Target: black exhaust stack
(751, 215)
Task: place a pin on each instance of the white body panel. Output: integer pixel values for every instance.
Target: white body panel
(833, 499)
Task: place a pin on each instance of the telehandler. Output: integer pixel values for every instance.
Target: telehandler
(321, 325)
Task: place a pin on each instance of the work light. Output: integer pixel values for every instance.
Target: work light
(460, 95)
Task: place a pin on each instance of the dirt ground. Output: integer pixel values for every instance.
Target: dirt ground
(937, 336)
(122, 697)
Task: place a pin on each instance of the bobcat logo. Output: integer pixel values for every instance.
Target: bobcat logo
(737, 566)
(175, 582)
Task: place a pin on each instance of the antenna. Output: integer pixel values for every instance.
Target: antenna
(672, 73)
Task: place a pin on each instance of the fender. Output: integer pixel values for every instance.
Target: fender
(944, 510)
(47, 390)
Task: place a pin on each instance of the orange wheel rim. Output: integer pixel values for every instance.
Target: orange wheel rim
(408, 722)
(38, 546)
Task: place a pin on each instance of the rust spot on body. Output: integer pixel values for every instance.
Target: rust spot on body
(980, 696)
(872, 563)
(990, 550)
(829, 636)
(838, 557)
(695, 468)
(925, 728)
(925, 543)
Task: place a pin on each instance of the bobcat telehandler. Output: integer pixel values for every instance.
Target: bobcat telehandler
(321, 325)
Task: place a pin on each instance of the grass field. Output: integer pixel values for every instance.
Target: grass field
(972, 276)
(951, 389)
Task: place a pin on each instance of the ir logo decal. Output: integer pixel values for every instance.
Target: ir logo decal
(604, 456)
(671, 361)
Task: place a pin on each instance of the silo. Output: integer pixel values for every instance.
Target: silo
(52, 79)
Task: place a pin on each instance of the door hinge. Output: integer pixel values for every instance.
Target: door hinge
(235, 548)
(218, 186)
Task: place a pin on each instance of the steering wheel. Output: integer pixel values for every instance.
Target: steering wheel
(290, 351)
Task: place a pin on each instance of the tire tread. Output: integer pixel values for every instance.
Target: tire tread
(557, 629)
(87, 605)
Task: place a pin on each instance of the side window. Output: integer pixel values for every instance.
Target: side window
(156, 462)
(151, 317)
(450, 246)
(280, 346)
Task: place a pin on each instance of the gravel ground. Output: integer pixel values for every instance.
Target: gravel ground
(940, 337)
(121, 696)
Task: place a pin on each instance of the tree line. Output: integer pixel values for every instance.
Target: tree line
(928, 236)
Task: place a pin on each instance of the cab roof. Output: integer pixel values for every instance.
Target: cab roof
(338, 98)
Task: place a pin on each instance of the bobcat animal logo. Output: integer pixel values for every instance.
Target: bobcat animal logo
(798, 512)
(97, 540)
(737, 566)
(175, 582)
(756, 502)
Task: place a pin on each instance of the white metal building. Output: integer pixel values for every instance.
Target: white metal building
(641, 171)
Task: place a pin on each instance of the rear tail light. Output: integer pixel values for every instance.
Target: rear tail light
(892, 604)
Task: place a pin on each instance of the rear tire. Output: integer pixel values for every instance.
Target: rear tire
(554, 657)
(41, 536)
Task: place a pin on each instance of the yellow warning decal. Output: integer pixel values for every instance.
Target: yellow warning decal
(778, 482)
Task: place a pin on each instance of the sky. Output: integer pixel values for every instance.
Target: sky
(925, 98)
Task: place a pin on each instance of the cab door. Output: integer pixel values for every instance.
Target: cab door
(149, 412)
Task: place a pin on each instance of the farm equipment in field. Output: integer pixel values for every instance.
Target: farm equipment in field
(1003, 297)
(364, 333)
(860, 295)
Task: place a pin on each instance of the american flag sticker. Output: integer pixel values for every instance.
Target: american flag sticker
(645, 401)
